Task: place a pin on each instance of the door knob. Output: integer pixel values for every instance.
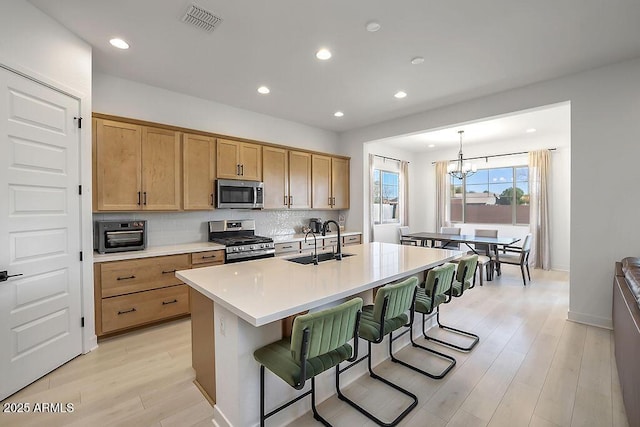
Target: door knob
(4, 275)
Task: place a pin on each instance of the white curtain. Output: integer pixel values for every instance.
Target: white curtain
(539, 165)
(404, 182)
(442, 195)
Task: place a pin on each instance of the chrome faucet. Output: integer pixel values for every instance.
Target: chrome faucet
(315, 246)
(325, 227)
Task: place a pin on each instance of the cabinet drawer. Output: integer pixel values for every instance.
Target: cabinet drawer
(144, 307)
(208, 257)
(124, 277)
(352, 240)
(282, 248)
(309, 244)
(330, 241)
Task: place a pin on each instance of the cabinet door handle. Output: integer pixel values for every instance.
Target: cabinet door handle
(169, 302)
(145, 198)
(211, 199)
(242, 170)
(329, 201)
(209, 256)
(127, 311)
(285, 200)
(126, 278)
(238, 169)
(168, 271)
(287, 247)
(139, 199)
(290, 200)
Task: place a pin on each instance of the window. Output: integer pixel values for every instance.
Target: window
(386, 191)
(492, 196)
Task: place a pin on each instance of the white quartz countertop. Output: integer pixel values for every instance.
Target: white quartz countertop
(300, 236)
(158, 251)
(267, 290)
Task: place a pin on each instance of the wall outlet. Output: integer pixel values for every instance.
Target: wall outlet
(223, 330)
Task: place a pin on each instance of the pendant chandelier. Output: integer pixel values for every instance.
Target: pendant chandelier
(459, 168)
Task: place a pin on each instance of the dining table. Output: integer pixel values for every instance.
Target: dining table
(468, 240)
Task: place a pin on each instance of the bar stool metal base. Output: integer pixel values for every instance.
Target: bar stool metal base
(470, 347)
(373, 375)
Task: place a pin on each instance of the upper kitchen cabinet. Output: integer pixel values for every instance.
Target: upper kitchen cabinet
(198, 171)
(239, 160)
(287, 178)
(135, 167)
(330, 182)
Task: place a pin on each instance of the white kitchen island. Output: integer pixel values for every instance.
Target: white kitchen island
(242, 305)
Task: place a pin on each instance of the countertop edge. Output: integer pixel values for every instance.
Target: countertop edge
(155, 251)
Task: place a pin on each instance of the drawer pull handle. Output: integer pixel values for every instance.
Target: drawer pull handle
(126, 278)
(168, 271)
(127, 311)
(209, 256)
(287, 247)
(169, 302)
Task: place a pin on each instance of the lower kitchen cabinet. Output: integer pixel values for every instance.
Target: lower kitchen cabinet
(143, 291)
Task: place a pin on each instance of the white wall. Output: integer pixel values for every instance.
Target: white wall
(605, 110)
(36, 45)
(112, 95)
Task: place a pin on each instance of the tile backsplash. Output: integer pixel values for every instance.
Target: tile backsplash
(169, 228)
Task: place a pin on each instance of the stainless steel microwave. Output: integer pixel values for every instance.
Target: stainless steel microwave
(119, 236)
(237, 194)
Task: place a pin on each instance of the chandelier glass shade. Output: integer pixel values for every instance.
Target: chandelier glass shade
(460, 169)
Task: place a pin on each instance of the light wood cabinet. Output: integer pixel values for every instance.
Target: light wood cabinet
(238, 160)
(287, 178)
(137, 292)
(208, 258)
(136, 167)
(198, 166)
(330, 182)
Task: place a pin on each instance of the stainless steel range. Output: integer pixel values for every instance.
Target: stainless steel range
(241, 243)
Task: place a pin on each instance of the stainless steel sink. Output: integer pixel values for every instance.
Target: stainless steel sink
(308, 259)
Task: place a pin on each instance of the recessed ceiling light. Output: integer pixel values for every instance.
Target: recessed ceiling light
(119, 43)
(373, 26)
(530, 130)
(263, 90)
(431, 145)
(323, 54)
(417, 60)
(338, 114)
(400, 94)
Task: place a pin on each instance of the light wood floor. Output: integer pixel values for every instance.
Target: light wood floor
(532, 367)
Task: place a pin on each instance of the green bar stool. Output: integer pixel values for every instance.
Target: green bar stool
(437, 290)
(387, 314)
(318, 342)
(463, 281)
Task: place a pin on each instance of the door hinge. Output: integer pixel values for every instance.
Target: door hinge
(79, 119)
(82, 322)
(80, 190)
(80, 255)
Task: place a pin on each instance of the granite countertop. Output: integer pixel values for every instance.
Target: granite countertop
(267, 290)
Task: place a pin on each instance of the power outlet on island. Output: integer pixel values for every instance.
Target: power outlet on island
(223, 330)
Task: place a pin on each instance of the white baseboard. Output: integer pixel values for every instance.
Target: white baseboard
(219, 420)
(587, 319)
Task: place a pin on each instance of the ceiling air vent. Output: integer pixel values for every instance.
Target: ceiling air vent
(201, 18)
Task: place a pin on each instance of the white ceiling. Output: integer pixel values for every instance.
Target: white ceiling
(471, 48)
(548, 122)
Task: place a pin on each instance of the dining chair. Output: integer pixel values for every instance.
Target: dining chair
(485, 253)
(461, 283)
(387, 314)
(404, 240)
(517, 256)
(450, 230)
(318, 342)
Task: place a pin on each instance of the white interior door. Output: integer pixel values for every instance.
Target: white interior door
(40, 310)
